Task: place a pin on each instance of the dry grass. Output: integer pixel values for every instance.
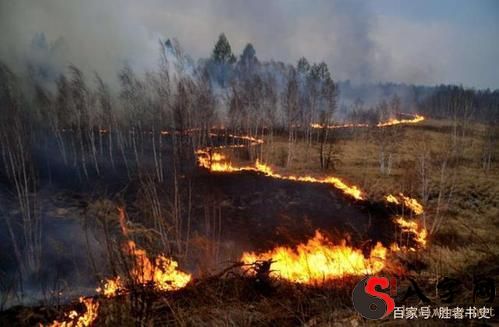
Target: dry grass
(467, 235)
(464, 245)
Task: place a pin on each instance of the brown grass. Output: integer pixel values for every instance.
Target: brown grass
(467, 236)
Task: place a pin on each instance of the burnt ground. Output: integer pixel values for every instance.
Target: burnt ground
(232, 213)
(260, 212)
(238, 212)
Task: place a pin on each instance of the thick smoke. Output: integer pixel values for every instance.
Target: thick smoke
(95, 35)
(357, 41)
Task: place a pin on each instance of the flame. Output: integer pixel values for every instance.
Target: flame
(316, 125)
(416, 118)
(393, 121)
(111, 287)
(412, 227)
(162, 272)
(73, 319)
(122, 218)
(319, 260)
(392, 199)
(408, 202)
(216, 162)
(315, 261)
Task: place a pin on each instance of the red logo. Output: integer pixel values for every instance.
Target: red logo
(372, 297)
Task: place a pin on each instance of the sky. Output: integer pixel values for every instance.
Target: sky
(423, 42)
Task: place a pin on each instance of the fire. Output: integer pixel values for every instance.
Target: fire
(122, 218)
(217, 162)
(412, 227)
(350, 190)
(408, 202)
(73, 319)
(392, 199)
(391, 122)
(318, 260)
(111, 287)
(162, 272)
(315, 125)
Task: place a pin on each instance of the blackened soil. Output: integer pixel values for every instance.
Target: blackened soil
(259, 212)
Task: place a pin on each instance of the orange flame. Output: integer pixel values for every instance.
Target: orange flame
(319, 260)
(393, 121)
(408, 202)
(73, 319)
(111, 287)
(412, 227)
(217, 162)
(122, 217)
(163, 272)
(316, 125)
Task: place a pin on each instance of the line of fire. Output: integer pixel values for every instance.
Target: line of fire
(238, 190)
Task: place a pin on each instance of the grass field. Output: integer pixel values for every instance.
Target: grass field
(461, 198)
(461, 212)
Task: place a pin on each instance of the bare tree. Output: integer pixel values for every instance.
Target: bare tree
(292, 111)
(15, 146)
(329, 94)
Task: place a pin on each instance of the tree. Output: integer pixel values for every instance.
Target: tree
(222, 59)
(386, 138)
(292, 110)
(303, 66)
(222, 53)
(328, 93)
(249, 55)
(18, 166)
(205, 105)
(247, 61)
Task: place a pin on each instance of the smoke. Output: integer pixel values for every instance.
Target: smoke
(336, 32)
(355, 41)
(95, 35)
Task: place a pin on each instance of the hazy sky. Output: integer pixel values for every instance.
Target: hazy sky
(424, 41)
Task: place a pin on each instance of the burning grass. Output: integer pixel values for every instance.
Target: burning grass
(162, 272)
(217, 162)
(302, 284)
(318, 260)
(232, 299)
(74, 319)
(465, 202)
(390, 122)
